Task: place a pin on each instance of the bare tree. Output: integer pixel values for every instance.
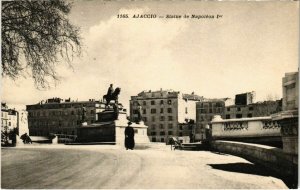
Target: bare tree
(269, 97)
(36, 36)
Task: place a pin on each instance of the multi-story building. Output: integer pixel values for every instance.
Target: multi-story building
(290, 91)
(205, 110)
(167, 113)
(9, 118)
(244, 98)
(60, 116)
(4, 117)
(241, 107)
(257, 109)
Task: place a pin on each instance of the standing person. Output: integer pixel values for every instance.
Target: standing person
(129, 137)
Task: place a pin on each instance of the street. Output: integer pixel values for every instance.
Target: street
(107, 166)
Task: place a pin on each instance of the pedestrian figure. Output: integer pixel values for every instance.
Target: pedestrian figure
(129, 137)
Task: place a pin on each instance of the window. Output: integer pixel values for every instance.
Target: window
(153, 118)
(153, 133)
(238, 109)
(227, 116)
(180, 134)
(169, 102)
(170, 118)
(170, 133)
(169, 110)
(161, 126)
(153, 139)
(162, 140)
(144, 111)
(218, 104)
(161, 102)
(152, 102)
(249, 115)
(72, 112)
(162, 118)
(162, 133)
(135, 111)
(153, 110)
(186, 110)
(145, 119)
(210, 110)
(239, 116)
(161, 110)
(153, 126)
(170, 125)
(228, 109)
(250, 108)
(144, 103)
(92, 111)
(180, 127)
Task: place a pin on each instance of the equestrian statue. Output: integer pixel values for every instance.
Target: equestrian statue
(112, 95)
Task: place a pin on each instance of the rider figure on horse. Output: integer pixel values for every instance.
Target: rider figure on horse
(111, 95)
(110, 90)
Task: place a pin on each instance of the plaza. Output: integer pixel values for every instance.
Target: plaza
(109, 167)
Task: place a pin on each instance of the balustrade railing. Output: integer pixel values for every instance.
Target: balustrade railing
(245, 127)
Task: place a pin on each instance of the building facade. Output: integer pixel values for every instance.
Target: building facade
(60, 116)
(257, 109)
(167, 113)
(241, 107)
(9, 118)
(290, 91)
(205, 111)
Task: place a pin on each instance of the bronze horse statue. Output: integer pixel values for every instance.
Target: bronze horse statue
(113, 96)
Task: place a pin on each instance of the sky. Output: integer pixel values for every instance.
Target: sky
(249, 48)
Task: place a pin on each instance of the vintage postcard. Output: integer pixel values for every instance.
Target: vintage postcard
(149, 94)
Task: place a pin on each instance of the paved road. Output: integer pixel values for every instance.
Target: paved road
(76, 167)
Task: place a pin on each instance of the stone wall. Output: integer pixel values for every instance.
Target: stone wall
(273, 158)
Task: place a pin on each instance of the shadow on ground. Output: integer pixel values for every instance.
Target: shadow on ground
(249, 168)
(246, 168)
(220, 153)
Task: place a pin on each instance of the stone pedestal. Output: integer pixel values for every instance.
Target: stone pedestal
(110, 128)
(140, 137)
(288, 121)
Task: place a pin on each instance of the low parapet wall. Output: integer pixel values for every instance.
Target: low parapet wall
(273, 158)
